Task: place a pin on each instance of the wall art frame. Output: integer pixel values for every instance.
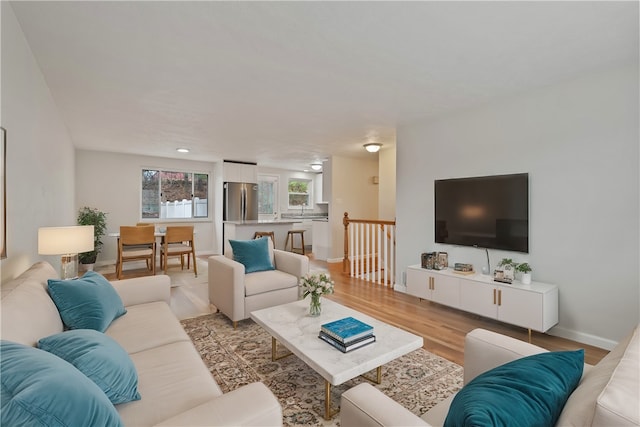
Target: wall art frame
(3, 193)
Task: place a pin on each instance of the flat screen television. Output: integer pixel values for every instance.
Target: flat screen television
(485, 212)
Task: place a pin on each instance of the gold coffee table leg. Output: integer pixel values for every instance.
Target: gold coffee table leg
(378, 378)
(328, 413)
(274, 348)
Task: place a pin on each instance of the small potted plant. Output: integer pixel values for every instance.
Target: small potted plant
(97, 218)
(525, 269)
(316, 285)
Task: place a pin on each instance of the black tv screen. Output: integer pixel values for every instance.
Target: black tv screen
(486, 212)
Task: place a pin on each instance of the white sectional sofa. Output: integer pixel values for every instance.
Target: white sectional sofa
(608, 393)
(175, 386)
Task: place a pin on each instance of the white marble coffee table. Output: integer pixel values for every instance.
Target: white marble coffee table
(297, 331)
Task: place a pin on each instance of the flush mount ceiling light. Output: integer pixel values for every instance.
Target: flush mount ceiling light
(316, 166)
(182, 150)
(373, 147)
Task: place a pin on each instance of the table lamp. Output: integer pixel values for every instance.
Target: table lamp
(68, 242)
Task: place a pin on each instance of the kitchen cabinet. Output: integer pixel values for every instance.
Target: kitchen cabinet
(317, 189)
(533, 306)
(321, 239)
(307, 226)
(240, 172)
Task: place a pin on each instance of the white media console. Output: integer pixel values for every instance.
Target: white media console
(533, 306)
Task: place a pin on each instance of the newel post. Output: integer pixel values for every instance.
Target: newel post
(345, 260)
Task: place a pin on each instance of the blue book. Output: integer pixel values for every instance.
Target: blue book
(347, 329)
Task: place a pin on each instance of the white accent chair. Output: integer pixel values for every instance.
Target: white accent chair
(237, 294)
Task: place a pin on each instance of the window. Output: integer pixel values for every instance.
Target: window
(267, 194)
(170, 194)
(299, 192)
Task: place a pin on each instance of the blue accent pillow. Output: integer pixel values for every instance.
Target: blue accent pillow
(41, 389)
(89, 302)
(100, 358)
(525, 392)
(253, 254)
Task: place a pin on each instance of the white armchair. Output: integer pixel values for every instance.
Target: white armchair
(237, 294)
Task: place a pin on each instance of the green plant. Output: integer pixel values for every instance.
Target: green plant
(523, 268)
(97, 218)
(508, 261)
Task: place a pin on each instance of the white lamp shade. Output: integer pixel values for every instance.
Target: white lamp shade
(65, 240)
(316, 166)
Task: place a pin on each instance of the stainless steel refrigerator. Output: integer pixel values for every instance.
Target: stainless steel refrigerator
(240, 201)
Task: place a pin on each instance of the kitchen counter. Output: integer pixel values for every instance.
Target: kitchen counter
(245, 230)
(264, 221)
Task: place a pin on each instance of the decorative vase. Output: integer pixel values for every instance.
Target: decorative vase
(526, 278)
(315, 307)
(88, 267)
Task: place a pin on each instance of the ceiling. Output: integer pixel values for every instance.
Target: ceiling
(285, 84)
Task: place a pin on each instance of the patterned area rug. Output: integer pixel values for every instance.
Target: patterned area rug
(417, 380)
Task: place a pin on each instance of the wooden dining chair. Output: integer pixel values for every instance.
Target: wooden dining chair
(178, 241)
(146, 224)
(136, 244)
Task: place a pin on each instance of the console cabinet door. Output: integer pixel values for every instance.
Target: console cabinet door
(520, 307)
(418, 283)
(445, 290)
(479, 298)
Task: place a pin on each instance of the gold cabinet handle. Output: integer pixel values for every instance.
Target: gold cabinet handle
(494, 296)
(500, 297)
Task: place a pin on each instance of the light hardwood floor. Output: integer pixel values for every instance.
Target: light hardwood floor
(442, 328)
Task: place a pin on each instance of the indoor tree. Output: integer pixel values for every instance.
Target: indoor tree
(97, 218)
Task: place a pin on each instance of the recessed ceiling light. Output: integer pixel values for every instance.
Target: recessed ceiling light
(374, 147)
(182, 150)
(316, 166)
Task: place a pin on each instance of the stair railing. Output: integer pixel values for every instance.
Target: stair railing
(370, 250)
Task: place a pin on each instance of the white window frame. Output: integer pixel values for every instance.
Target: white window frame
(309, 193)
(193, 217)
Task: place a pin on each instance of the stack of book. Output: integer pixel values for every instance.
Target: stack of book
(347, 334)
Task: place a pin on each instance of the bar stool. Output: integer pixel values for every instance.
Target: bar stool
(259, 234)
(290, 236)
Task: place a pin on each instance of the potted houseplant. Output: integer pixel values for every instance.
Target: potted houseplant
(97, 218)
(525, 269)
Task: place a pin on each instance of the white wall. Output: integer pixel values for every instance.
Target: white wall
(111, 182)
(352, 191)
(40, 155)
(579, 143)
(387, 183)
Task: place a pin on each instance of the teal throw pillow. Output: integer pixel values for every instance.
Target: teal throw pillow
(100, 358)
(41, 389)
(253, 254)
(525, 392)
(89, 302)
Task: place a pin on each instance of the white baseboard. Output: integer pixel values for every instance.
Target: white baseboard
(400, 288)
(334, 260)
(596, 341)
